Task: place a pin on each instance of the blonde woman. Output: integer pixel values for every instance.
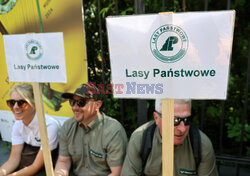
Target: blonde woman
(26, 157)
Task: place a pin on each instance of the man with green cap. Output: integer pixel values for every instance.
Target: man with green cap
(91, 143)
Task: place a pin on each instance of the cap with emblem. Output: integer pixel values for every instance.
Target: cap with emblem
(87, 90)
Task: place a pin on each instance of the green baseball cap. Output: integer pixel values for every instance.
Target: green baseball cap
(85, 91)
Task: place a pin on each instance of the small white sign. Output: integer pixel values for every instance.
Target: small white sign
(35, 57)
(171, 55)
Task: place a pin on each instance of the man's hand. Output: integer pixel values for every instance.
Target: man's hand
(61, 172)
(2, 172)
(115, 171)
(62, 166)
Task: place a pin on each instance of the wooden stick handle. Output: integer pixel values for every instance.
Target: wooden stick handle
(43, 129)
(167, 137)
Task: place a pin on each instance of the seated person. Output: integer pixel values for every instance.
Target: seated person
(26, 157)
(185, 162)
(91, 142)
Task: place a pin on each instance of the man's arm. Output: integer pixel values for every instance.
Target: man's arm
(63, 166)
(116, 150)
(115, 171)
(63, 163)
(208, 162)
(132, 164)
(13, 162)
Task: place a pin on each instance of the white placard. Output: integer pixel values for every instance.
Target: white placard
(35, 57)
(171, 55)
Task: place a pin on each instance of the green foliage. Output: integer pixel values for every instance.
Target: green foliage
(234, 128)
(127, 11)
(213, 111)
(239, 3)
(113, 107)
(105, 10)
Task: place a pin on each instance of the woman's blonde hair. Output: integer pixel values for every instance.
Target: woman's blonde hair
(26, 91)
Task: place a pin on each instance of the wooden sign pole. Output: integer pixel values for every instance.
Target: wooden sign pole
(43, 129)
(167, 137)
(167, 134)
(41, 118)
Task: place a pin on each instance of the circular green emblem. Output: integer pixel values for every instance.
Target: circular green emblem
(169, 43)
(6, 5)
(33, 49)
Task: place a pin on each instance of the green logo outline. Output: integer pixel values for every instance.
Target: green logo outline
(157, 34)
(36, 46)
(6, 6)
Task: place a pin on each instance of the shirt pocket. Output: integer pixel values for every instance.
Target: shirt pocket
(98, 157)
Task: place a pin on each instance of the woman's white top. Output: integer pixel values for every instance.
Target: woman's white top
(30, 134)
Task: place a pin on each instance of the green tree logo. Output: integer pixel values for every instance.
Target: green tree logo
(34, 50)
(169, 43)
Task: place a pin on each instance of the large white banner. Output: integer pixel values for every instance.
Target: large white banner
(171, 55)
(35, 57)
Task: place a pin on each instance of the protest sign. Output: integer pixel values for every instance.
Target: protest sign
(175, 55)
(171, 56)
(35, 57)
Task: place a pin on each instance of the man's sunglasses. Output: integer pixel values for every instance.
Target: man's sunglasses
(80, 103)
(20, 103)
(177, 120)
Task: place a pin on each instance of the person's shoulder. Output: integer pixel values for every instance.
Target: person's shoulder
(143, 127)
(207, 151)
(112, 130)
(111, 123)
(52, 122)
(69, 122)
(206, 143)
(17, 125)
(138, 133)
(68, 126)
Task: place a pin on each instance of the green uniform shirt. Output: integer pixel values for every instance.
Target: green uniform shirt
(184, 163)
(95, 149)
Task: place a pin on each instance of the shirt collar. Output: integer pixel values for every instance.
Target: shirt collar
(93, 123)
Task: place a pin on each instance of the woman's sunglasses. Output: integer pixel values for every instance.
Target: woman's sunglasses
(80, 103)
(20, 103)
(177, 120)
